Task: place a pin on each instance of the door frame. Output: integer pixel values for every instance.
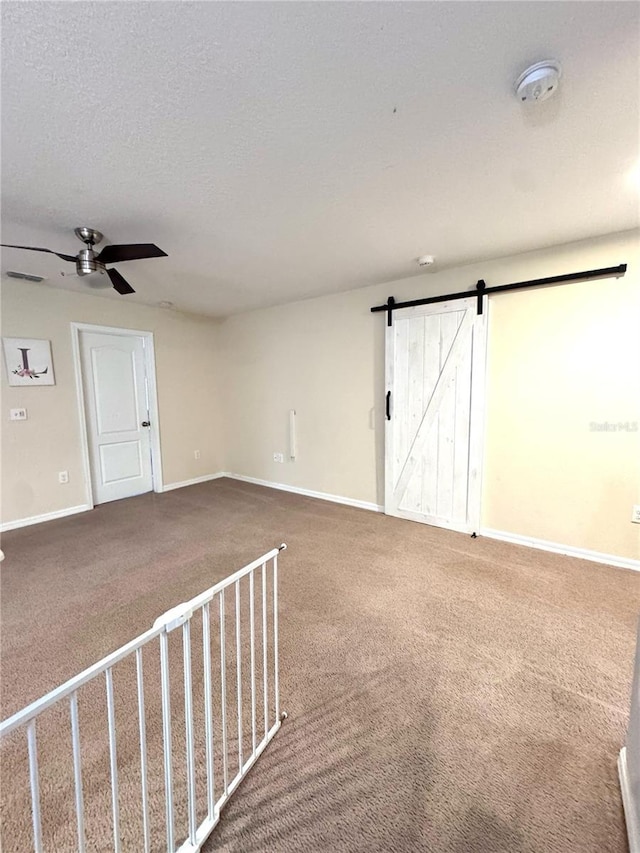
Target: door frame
(152, 393)
(477, 412)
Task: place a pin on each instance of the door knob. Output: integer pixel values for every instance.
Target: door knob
(145, 423)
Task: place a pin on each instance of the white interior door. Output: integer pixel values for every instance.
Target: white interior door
(117, 414)
(435, 365)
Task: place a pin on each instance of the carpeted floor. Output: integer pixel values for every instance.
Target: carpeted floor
(444, 693)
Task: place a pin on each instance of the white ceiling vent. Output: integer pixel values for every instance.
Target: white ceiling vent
(539, 81)
(25, 276)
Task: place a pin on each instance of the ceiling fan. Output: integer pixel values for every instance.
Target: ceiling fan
(87, 262)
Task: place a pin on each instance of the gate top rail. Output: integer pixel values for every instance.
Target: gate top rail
(165, 623)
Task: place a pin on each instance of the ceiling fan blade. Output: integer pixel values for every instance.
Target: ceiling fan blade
(35, 249)
(123, 287)
(129, 252)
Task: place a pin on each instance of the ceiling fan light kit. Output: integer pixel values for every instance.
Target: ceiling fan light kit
(87, 262)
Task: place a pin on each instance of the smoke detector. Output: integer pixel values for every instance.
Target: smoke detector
(426, 261)
(538, 82)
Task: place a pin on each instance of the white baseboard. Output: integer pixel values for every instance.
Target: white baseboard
(205, 479)
(631, 809)
(47, 516)
(557, 548)
(309, 493)
(72, 510)
(513, 538)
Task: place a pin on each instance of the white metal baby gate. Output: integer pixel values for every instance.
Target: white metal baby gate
(216, 758)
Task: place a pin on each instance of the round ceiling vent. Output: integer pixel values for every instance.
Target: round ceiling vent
(539, 81)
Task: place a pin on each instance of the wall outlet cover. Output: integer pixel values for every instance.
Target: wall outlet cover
(635, 514)
(17, 414)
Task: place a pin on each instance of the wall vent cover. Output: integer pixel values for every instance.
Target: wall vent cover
(25, 276)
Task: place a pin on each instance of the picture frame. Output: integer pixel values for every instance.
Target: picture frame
(28, 361)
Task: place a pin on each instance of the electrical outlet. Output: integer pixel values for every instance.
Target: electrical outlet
(635, 514)
(63, 477)
(196, 454)
(17, 414)
(278, 457)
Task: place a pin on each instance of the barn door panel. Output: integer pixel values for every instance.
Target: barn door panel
(435, 367)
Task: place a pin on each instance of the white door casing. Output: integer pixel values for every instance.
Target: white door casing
(114, 384)
(435, 369)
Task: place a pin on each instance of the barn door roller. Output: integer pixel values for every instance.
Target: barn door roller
(481, 289)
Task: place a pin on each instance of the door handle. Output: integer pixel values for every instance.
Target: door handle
(388, 405)
(146, 423)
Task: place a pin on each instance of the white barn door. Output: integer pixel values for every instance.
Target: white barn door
(435, 366)
(117, 414)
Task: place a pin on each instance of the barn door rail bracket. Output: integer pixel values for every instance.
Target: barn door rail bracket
(481, 289)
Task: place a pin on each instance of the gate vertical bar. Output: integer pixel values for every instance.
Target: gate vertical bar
(275, 636)
(166, 737)
(113, 760)
(35, 786)
(188, 720)
(239, 674)
(208, 710)
(265, 673)
(253, 662)
(223, 691)
(77, 771)
(142, 728)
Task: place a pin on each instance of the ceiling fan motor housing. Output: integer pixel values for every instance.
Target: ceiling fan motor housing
(86, 262)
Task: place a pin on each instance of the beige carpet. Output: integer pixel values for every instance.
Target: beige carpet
(444, 693)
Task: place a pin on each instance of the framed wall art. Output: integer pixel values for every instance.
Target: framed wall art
(28, 361)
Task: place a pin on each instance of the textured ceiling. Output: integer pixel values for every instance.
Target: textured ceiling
(282, 150)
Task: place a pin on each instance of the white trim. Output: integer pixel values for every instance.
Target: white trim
(308, 493)
(168, 487)
(557, 548)
(82, 422)
(111, 330)
(47, 516)
(478, 414)
(73, 510)
(630, 812)
(152, 389)
(154, 415)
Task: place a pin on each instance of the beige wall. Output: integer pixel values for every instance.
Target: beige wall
(35, 450)
(562, 361)
(559, 359)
